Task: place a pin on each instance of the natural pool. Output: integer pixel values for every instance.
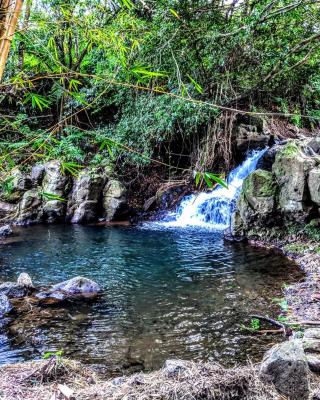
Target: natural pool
(167, 294)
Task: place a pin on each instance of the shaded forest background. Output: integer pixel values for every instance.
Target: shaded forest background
(154, 85)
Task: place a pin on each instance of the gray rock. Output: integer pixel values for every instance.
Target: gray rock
(120, 380)
(251, 134)
(6, 230)
(29, 207)
(313, 362)
(314, 185)
(51, 298)
(291, 168)
(37, 174)
(5, 305)
(20, 182)
(312, 333)
(311, 345)
(25, 280)
(286, 366)
(7, 211)
(54, 183)
(12, 290)
(174, 367)
(86, 193)
(78, 286)
(114, 199)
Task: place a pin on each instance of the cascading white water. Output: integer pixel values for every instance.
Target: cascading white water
(213, 209)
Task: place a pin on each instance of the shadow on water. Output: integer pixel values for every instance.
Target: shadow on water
(173, 293)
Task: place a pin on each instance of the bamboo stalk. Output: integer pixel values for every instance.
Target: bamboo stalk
(11, 16)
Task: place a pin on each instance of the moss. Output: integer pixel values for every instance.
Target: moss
(290, 150)
(299, 248)
(260, 184)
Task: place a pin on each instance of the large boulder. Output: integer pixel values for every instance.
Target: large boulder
(114, 200)
(5, 305)
(314, 185)
(75, 288)
(37, 174)
(311, 346)
(29, 207)
(291, 168)
(20, 181)
(286, 366)
(256, 202)
(78, 286)
(83, 204)
(54, 184)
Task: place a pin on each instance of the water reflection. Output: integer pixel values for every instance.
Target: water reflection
(166, 294)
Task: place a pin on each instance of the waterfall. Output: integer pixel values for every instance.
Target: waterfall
(213, 209)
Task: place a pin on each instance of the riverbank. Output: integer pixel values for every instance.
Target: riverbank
(64, 379)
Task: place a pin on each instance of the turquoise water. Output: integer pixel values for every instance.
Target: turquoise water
(167, 294)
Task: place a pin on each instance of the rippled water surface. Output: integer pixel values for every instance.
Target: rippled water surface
(167, 294)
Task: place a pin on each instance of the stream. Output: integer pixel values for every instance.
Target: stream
(172, 293)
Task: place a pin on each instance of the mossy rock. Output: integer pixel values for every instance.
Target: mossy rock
(260, 184)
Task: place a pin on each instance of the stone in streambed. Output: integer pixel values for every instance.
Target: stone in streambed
(13, 290)
(286, 366)
(6, 230)
(78, 286)
(75, 288)
(5, 305)
(25, 280)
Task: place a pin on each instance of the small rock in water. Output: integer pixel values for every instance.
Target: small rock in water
(78, 286)
(25, 280)
(5, 306)
(6, 230)
(12, 290)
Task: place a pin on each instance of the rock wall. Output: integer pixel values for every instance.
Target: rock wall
(48, 194)
(285, 188)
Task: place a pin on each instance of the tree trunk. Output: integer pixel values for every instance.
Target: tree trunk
(10, 12)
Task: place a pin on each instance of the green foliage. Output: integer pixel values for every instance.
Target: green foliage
(50, 354)
(255, 324)
(50, 197)
(90, 83)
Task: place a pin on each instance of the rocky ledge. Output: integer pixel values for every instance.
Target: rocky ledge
(49, 193)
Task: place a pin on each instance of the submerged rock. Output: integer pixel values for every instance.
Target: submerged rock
(25, 280)
(5, 305)
(6, 230)
(285, 365)
(13, 290)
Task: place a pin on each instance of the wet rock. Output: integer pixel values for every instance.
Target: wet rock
(114, 199)
(5, 305)
(78, 286)
(51, 298)
(250, 133)
(75, 288)
(12, 290)
(286, 366)
(25, 280)
(54, 183)
(83, 204)
(6, 230)
(174, 367)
